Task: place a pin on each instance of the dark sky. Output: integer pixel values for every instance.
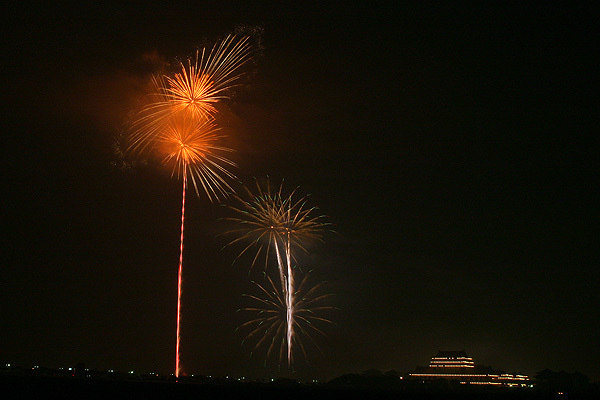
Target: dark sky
(453, 148)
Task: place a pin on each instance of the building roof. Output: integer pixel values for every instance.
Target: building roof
(461, 353)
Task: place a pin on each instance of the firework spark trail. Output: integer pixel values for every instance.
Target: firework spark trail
(180, 270)
(280, 264)
(288, 287)
(289, 301)
(284, 223)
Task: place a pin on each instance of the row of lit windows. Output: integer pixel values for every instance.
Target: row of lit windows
(497, 383)
(451, 363)
(503, 376)
(517, 377)
(474, 375)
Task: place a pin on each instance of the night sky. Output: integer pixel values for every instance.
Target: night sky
(453, 148)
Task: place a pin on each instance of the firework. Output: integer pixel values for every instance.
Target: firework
(179, 124)
(273, 222)
(192, 147)
(270, 220)
(268, 325)
(193, 91)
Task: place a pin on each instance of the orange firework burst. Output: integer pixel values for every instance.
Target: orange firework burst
(194, 90)
(191, 145)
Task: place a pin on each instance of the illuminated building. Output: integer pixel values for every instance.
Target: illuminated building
(458, 366)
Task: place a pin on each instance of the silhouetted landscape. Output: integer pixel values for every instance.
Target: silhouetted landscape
(80, 382)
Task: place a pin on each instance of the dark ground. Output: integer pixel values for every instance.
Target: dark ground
(77, 388)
